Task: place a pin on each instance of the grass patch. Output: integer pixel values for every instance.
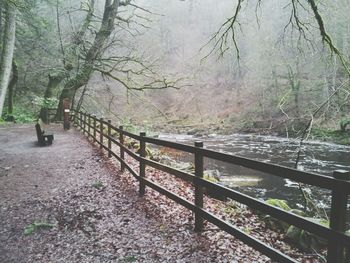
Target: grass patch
(30, 229)
(129, 259)
(98, 185)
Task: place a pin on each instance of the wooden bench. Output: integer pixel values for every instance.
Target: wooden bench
(43, 138)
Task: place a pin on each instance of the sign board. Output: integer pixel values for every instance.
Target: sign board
(66, 106)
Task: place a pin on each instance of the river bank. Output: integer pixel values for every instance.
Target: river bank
(205, 129)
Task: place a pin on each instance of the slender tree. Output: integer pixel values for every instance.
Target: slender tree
(7, 52)
(11, 88)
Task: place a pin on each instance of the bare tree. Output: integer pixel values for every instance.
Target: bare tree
(127, 69)
(229, 30)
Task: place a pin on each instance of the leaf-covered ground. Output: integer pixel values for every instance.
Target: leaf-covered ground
(69, 203)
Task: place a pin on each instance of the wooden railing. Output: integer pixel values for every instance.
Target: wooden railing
(100, 130)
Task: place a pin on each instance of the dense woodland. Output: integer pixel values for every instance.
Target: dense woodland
(200, 67)
(265, 66)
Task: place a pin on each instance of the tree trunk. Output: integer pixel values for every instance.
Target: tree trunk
(71, 87)
(1, 27)
(71, 55)
(54, 81)
(7, 54)
(11, 87)
(93, 54)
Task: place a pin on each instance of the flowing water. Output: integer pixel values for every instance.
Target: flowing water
(317, 157)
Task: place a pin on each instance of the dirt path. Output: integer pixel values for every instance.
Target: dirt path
(96, 212)
(28, 171)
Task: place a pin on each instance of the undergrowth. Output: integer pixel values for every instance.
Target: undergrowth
(19, 115)
(337, 136)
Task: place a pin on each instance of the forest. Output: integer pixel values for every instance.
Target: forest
(251, 96)
(158, 65)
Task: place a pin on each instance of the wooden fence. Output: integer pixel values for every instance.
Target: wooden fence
(100, 131)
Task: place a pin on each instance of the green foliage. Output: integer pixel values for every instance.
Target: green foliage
(247, 230)
(30, 229)
(129, 259)
(337, 136)
(344, 123)
(45, 102)
(21, 115)
(98, 185)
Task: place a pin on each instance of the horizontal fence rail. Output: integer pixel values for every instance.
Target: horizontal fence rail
(100, 131)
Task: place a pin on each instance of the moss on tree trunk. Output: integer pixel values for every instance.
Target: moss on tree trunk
(54, 81)
(94, 53)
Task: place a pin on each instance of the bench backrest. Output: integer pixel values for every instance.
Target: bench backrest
(39, 132)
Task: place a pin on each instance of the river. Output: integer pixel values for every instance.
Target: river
(317, 157)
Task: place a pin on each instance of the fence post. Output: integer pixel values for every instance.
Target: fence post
(121, 140)
(198, 194)
(84, 123)
(337, 222)
(94, 126)
(109, 140)
(142, 164)
(101, 133)
(73, 116)
(81, 120)
(89, 125)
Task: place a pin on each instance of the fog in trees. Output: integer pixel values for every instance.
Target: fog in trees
(158, 63)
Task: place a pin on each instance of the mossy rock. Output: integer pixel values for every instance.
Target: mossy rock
(298, 212)
(344, 123)
(272, 222)
(131, 144)
(279, 203)
(212, 176)
(305, 240)
(147, 150)
(98, 185)
(114, 133)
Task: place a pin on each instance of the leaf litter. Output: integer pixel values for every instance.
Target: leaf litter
(97, 216)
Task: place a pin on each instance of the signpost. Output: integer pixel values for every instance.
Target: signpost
(66, 111)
